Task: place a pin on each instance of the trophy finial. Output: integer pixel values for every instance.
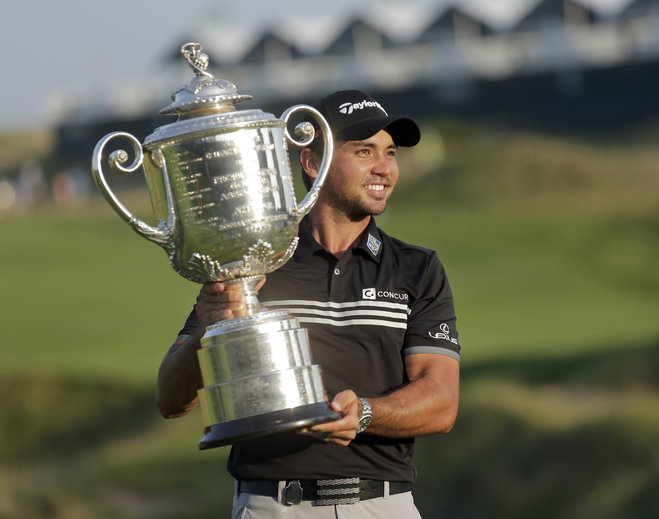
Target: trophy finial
(197, 60)
(204, 94)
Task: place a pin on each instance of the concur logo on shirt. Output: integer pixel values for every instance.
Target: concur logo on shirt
(373, 294)
(368, 293)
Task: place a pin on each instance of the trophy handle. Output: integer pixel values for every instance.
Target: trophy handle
(160, 235)
(305, 132)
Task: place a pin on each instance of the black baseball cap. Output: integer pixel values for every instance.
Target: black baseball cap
(354, 115)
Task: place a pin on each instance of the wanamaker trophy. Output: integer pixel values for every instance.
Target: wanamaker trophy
(222, 191)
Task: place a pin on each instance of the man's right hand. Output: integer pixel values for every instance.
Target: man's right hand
(219, 301)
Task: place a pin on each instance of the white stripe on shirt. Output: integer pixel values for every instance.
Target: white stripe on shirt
(364, 313)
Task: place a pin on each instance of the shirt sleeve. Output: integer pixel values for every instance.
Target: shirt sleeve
(190, 325)
(432, 323)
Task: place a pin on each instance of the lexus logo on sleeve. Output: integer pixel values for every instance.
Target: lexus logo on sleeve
(443, 334)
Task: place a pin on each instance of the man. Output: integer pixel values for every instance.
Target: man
(381, 325)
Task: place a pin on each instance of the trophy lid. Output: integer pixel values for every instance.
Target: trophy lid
(204, 94)
(206, 105)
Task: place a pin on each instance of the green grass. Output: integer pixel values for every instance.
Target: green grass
(550, 245)
(570, 435)
(85, 294)
(553, 285)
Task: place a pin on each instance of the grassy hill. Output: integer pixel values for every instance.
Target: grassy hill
(550, 245)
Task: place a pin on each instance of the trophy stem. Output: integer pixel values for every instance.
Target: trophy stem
(247, 285)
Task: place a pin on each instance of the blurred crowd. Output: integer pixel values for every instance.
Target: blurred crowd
(31, 187)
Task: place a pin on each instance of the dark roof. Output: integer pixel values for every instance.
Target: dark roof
(449, 23)
(554, 10)
(346, 41)
(264, 47)
(446, 25)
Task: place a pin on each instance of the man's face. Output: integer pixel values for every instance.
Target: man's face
(361, 177)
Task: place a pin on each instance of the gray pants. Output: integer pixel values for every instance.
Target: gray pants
(398, 506)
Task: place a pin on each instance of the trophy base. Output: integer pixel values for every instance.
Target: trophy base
(232, 431)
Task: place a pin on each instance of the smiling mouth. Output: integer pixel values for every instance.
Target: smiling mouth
(375, 187)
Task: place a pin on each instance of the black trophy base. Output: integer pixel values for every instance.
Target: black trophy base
(233, 431)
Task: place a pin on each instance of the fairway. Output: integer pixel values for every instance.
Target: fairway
(544, 285)
(552, 258)
(83, 293)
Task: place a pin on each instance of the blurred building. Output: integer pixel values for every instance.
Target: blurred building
(551, 63)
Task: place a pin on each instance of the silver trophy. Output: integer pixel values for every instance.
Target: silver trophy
(221, 187)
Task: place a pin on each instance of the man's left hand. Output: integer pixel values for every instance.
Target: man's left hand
(343, 430)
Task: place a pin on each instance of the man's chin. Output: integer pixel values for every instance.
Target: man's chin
(361, 215)
(376, 209)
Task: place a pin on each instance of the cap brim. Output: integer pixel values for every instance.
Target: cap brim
(403, 130)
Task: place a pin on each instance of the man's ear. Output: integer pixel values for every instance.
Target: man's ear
(309, 162)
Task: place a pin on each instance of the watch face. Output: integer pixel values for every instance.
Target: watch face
(364, 422)
(366, 418)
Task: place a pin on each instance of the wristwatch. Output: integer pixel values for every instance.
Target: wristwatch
(367, 416)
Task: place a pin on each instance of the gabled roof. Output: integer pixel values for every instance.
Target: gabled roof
(355, 35)
(561, 11)
(311, 35)
(451, 23)
(401, 22)
(270, 45)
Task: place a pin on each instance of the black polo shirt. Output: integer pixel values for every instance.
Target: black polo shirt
(383, 300)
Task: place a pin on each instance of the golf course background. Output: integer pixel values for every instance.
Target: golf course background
(550, 243)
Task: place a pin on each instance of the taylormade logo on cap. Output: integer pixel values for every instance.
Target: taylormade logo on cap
(348, 108)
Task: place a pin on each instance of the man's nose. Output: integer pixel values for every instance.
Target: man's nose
(383, 164)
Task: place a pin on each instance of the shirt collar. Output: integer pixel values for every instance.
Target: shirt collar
(371, 242)
(307, 244)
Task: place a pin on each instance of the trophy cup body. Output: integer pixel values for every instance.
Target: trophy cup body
(221, 188)
(231, 190)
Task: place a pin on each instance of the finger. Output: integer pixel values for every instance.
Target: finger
(211, 317)
(212, 311)
(322, 436)
(233, 287)
(341, 428)
(344, 401)
(327, 437)
(206, 304)
(220, 297)
(213, 288)
(344, 427)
